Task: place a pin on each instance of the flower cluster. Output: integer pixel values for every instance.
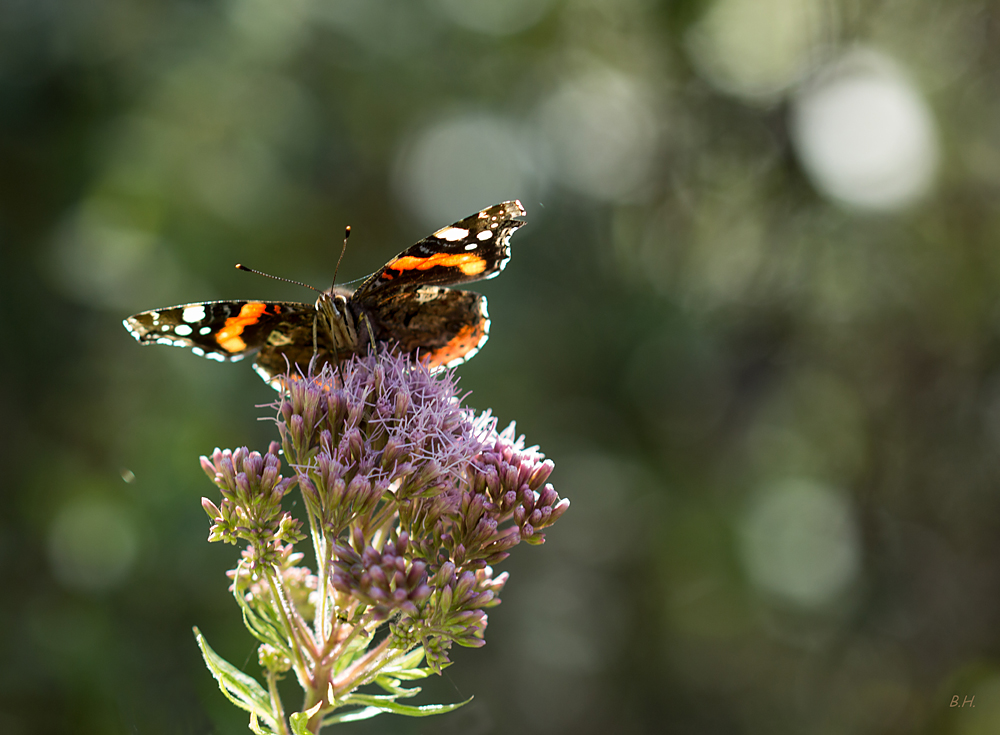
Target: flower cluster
(252, 488)
(387, 579)
(409, 499)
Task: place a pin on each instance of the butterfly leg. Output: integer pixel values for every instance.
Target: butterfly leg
(315, 337)
(371, 334)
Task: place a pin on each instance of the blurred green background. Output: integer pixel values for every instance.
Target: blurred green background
(754, 319)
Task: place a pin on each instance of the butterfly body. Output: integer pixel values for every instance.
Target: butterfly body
(407, 302)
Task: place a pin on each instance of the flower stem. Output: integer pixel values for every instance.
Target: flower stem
(384, 516)
(339, 648)
(363, 668)
(281, 603)
(276, 706)
(321, 623)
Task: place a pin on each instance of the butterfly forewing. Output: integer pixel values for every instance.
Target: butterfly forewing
(472, 249)
(219, 330)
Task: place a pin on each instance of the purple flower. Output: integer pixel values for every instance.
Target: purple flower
(386, 579)
(512, 480)
(252, 489)
(375, 429)
(410, 498)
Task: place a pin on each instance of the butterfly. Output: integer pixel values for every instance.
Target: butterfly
(407, 303)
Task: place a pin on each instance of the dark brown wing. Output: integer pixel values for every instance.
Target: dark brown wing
(472, 249)
(221, 330)
(441, 327)
(289, 348)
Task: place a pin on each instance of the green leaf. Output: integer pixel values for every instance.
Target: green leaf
(407, 667)
(300, 723)
(366, 713)
(242, 690)
(410, 661)
(392, 686)
(256, 729)
(266, 630)
(387, 704)
(355, 715)
(300, 720)
(411, 674)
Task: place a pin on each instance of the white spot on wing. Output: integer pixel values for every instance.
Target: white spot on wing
(486, 316)
(273, 381)
(183, 330)
(194, 313)
(485, 235)
(427, 293)
(471, 246)
(204, 330)
(451, 234)
(482, 340)
(198, 351)
(505, 246)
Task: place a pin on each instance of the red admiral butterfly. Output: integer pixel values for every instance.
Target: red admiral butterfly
(403, 303)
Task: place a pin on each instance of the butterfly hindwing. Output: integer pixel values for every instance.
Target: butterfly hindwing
(442, 327)
(290, 348)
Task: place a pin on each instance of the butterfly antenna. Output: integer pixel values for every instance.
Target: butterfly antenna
(240, 266)
(347, 234)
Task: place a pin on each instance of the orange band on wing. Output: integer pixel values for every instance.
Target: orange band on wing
(468, 340)
(469, 263)
(229, 336)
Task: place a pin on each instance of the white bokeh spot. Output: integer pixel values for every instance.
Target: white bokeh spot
(756, 49)
(92, 545)
(602, 133)
(462, 163)
(799, 541)
(864, 134)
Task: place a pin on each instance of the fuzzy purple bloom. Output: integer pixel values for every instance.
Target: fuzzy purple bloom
(409, 497)
(383, 447)
(372, 427)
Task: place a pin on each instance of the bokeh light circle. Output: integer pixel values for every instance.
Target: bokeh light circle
(602, 131)
(92, 545)
(864, 134)
(495, 17)
(800, 542)
(756, 49)
(463, 162)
